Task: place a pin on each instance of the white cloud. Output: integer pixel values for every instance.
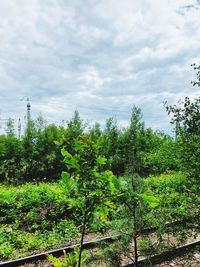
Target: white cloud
(99, 57)
(90, 35)
(92, 78)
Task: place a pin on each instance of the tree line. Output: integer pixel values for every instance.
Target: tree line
(36, 156)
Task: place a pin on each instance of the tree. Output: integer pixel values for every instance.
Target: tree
(135, 142)
(162, 154)
(95, 132)
(187, 116)
(110, 146)
(197, 81)
(90, 188)
(47, 154)
(10, 128)
(135, 216)
(29, 141)
(75, 126)
(10, 158)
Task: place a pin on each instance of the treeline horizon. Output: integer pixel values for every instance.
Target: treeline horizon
(88, 123)
(35, 156)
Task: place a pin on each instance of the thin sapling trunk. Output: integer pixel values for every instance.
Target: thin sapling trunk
(82, 238)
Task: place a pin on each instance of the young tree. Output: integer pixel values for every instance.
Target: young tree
(10, 158)
(75, 126)
(163, 154)
(95, 132)
(135, 216)
(10, 127)
(136, 207)
(110, 145)
(10, 155)
(50, 163)
(90, 188)
(187, 116)
(29, 141)
(134, 142)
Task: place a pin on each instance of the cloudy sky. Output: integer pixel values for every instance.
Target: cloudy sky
(99, 57)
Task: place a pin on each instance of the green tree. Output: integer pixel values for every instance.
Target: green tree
(75, 126)
(90, 188)
(10, 150)
(197, 69)
(134, 142)
(134, 217)
(29, 141)
(187, 116)
(10, 127)
(110, 145)
(163, 154)
(95, 132)
(47, 154)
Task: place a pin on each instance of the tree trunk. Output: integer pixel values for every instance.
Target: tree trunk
(135, 235)
(82, 237)
(135, 251)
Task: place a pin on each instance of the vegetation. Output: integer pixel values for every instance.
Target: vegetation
(60, 183)
(90, 190)
(187, 120)
(34, 217)
(70, 260)
(36, 157)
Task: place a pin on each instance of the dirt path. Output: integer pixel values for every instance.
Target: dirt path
(194, 261)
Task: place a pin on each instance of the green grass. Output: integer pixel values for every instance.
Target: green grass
(177, 195)
(34, 217)
(37, 217)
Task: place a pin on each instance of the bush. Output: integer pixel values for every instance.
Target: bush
(34, 217)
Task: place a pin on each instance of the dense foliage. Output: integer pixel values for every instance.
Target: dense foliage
(126, 180)
(39, 217)
(90, 189)
(36, 155)
(34, 217)
(186, 116)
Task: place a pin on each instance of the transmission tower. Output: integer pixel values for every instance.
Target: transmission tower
(28, 114)
(28, 110)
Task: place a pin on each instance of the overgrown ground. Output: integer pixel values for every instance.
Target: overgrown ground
(38, 217)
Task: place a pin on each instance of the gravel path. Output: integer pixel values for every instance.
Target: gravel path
(194, 261)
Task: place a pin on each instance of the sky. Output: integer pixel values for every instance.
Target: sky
(97, 57)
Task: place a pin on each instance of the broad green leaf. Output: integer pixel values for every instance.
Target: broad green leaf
(73, 163)
(58, 143)
(110, 204)
(56, 262)
(116, 182)
(78, 147)
(101, 160)
(65, 153)
(66, 178)
(103, 213)
(150, 200)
